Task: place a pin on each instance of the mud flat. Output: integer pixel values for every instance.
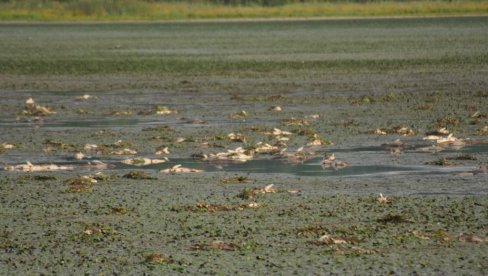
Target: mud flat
(372, 132)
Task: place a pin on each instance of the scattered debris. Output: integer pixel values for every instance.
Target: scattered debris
(179, 169)
(143, 161)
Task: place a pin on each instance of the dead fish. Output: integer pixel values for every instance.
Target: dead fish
(29, 167)
(79, 156)
(275, 108)
(238, 155)
(330, 161)
(382, 199)
(123, 152)
(328, 239)
(29, 101)
(264, 148)
(7, 146)
(299, 156)
(162, 150)
(236, 137)
(179, 169)
(85, 97)
(143, 161)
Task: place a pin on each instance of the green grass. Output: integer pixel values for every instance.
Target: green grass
(141, 10)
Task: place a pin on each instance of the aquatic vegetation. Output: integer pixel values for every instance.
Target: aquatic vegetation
(394, 218)
(156, 258)
(143, 161)
(471, 238)
(247, 193)
(119, 210)
(58, 144)
(483, 131)
(447, 121)
(235, 179)
(215, 245)
(162, 128)
(138, 175)
(441, 162)
(81, 184)
(179, 169)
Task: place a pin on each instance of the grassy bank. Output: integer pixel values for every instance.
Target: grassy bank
(139, 10)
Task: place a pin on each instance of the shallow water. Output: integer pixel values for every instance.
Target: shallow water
(310, 167)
